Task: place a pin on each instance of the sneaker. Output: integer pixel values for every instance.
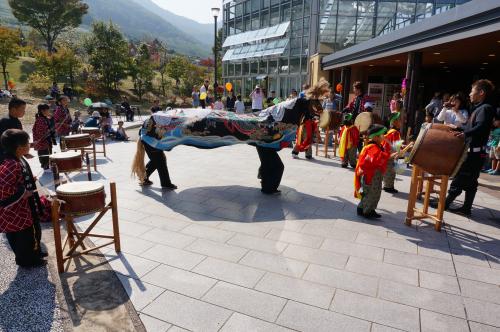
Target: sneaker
(486, 170)
(170, 186)
(391, 190)
(374, 214)
(146, 183)
(309, 158)
(494, 173)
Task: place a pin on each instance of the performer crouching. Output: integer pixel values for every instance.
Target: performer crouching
(270, 171)
(157, 160)
(349, 139)
(391, 138)
(372, 163)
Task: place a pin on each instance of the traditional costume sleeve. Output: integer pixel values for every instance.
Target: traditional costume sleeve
(41, 134)
(343, 142)
(354, 132)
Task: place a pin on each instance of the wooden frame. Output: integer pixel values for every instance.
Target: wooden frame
(75, 238)
(326, 141)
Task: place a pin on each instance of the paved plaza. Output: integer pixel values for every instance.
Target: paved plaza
(217, 255)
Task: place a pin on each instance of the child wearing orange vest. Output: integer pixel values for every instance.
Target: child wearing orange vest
(349, 139)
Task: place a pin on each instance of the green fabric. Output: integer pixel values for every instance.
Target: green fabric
(394, 117)
(378, 133)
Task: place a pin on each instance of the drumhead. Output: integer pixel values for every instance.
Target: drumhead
(77, 136)
(324, 119)
(91, 129)
(419, 140)
(66, 155)
(82, 188)
(363, 121)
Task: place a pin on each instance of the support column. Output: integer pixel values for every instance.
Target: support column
(345, 80)
(413, 72)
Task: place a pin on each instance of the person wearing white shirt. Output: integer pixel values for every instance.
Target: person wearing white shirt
(257, 99)
(239, 106)
(454, 112)
(218, 105)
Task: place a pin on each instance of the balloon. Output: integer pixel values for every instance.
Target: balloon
(339, 88)
(87, 102)
(203, 96)
(229, 86)
(276, 101)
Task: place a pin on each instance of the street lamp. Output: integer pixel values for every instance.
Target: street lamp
(215, 14)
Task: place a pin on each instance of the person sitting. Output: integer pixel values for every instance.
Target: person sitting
(107, 123)
(93, 121)
(121, 134)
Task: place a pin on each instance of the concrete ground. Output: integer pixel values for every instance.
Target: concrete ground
(217, 255)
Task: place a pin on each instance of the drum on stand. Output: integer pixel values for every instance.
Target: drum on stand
(330, 119)
(438, 151)
(81, 198)
(66, 162)
(92, 131)
(365, 119)
(77, 142)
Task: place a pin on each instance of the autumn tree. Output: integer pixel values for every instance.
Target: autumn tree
(9, 49)
(62, 64)
(49, 18)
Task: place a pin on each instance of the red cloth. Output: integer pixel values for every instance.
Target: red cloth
(62, 118)
(352, 138)
(16, 215)
(392, 136)
(373, 157)
(41, 133)
(307, 129)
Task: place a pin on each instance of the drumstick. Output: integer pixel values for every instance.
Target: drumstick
(406, 149)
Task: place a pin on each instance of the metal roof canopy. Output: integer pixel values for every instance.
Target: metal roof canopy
(256, 35)
(471, 19)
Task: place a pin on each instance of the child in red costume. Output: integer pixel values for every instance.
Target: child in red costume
(42, 137)
(349, 139)
(391, 138)
(372, 163)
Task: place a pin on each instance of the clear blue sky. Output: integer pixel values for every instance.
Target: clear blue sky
(198, 10)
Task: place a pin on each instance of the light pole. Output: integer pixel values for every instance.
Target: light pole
(215, 14)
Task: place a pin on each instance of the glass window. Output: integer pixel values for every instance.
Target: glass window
(262, 67)
(273, 67)
(266, 3)
(253, 68)
(246, 68)
(304, 65)
(255, 21)
(347, 8)
(239, 9)
(285, 12)
(230, 71)
(255, 5)
(294, 65)
(237, 69)
(264, 18)
(275, 15)
(283, 65)
(248, 7)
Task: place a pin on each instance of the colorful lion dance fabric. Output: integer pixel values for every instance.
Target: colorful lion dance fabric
(209, 129)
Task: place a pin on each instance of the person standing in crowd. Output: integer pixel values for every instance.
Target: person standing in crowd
(218, 105)
(67, 91)
(54, 91)
(62, 117)
(125, 107)
(293, 94)
(435, 105)
(204, 90)
(257, 97)
(271, 98)
(17, 109)
(476, 133)
(494, 146)
(42, 139)
(396, 98)
(230, 101)
(391, 138)
(239, 106)
(349, 139)
(331, 103)
(19, 217)
(305, 87)
(75, 125)
(454, 112)
(195, 96)
(369, 171)
(156, 106)
(357, 105)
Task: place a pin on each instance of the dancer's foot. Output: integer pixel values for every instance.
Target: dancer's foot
(146, 183)
(274, 192)
(391, 190)
(461, 211)
(170, 186)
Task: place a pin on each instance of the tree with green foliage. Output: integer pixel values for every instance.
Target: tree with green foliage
(62, 64)
(141, 70)
(49, 18)
(9, 49)
(107, 51)
(192, 77)
(177, 67)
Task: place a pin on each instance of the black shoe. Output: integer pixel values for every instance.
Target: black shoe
(146, 183)
(359, 212)
(170, 186)
(275, 192)
(343, 166)
(38, 263)
(375, 215)
(309, 158)
(43, 254)
(390, 190)
(461, 211)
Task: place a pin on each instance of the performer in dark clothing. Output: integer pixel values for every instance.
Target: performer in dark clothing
(270, 171)
(476, 134)
(17, 108)
(157, 159)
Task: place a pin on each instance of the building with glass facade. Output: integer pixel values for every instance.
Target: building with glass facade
(279, 43)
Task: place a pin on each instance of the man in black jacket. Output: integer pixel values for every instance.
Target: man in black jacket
(476, 134)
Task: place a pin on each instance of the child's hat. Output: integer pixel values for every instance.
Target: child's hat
(376, 130)
(347, 117)
(368, 104)
(96, 114)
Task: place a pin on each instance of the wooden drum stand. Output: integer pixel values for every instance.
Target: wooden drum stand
(418, 177)
(80, 142)
(97, 134)
(327, 141)
(75, 200)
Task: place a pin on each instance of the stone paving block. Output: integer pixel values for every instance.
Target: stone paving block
(477, 327)
(217, 250)
(273, 263)
(130, 265)
(208, 233)
(342, 279)
(480, 290)
(483, 312)
(383, 328)
(383, 270)
(153, 324)
(131, 215)
(177, 329)
(306, 318)
(329, 231)
(164, 223)
(230, 272)
(316, 256)
(140, 293)
(422, 298)
(441, 250)
(249, 228)
(173, 256)
(478, 273)
(239, 322)
(434, 322)
(133, 245)
(376, 310)
(439, 282)
(187, 312)
(288, 225)
(168, 238)
(353, 249)
(250, 302)
(255, 243)
(295, 238)
(425, 263)
(361, 226)
(180, 281)
(297, 290)
(469, 257)
(387, 243)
